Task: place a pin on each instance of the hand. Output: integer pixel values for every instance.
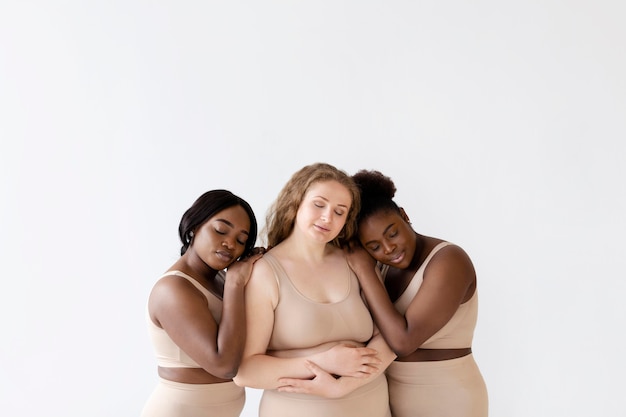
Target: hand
(239, 272)
(359, 260)
(349, 360)
(323, 384)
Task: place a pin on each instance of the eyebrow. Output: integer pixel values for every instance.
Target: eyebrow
(384, 233)
(325, 199)
(226, 222)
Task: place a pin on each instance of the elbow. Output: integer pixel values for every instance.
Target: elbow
(241, 380)
(227, 373)
(402, 348)
(400, 353)
(224, 370)
(245, 378)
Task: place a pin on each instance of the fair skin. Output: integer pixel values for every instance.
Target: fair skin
(179, 308)
(449, 281)
(317, 269)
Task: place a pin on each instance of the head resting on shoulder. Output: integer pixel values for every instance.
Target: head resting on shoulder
(282, 215)
(207, 206)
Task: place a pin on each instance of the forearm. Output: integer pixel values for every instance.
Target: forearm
(385, 354)
(263, 371)
(324, 385)
(390, 322)
(231, 336)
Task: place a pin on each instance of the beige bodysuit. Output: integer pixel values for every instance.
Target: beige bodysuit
(452, 387)
(179, 399)
(301, 324)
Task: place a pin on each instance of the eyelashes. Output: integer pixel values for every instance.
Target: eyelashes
(320, 206)
(224, 233)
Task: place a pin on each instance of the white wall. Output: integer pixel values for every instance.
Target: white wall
(502, 124)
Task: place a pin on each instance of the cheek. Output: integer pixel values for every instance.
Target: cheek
(299, 216)
(240, 249)
(202, 243)
(372, 254)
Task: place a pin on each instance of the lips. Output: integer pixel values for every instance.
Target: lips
(224, 255)
(323, 229)
(396, 259)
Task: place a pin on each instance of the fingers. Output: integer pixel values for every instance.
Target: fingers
(258, 250)
(288, 382)
(313, 368)
(365, 351)
(255, 254)
(367, 370)
(360, 350)
(253, 258)
(302, 386)
(292, 385)
(368, 355)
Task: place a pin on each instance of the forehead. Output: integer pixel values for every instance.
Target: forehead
(330, 190)
(235, 215)
(379, 222)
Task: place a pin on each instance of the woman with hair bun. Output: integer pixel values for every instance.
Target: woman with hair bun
(422, 293)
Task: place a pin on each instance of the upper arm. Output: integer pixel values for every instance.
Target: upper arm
(447, 279)
(176, 306)
(261, 300)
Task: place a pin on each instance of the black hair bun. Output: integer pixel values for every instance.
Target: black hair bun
(374, 185)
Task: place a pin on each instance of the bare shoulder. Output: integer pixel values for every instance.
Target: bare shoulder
(454, 252)
(173, 292)
(174, 285)
(262, 270)
(451, 258)
(262, 280)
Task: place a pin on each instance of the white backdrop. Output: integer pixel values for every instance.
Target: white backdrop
(502, 123)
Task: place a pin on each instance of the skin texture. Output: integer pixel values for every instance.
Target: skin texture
(317, 268)
(449, 280)
(181, 309)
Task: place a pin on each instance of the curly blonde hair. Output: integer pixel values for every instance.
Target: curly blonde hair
(281, 216)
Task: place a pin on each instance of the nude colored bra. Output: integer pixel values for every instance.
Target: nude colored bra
(168, 354)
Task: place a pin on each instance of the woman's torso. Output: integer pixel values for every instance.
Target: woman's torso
(303, 326)
(174, 363)
(458, 332)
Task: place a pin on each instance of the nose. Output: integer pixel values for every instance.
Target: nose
(387, 247)
(327, 216)
(228, 243)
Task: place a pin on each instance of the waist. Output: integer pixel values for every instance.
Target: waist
(426, 355)
(189, 376)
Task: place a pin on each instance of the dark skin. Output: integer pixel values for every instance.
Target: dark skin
(182, 311)
(449, 281)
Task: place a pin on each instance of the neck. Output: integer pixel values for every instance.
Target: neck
(193, 266)
(418, 256)
(307, 250)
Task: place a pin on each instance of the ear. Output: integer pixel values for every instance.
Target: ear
(404, 215)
